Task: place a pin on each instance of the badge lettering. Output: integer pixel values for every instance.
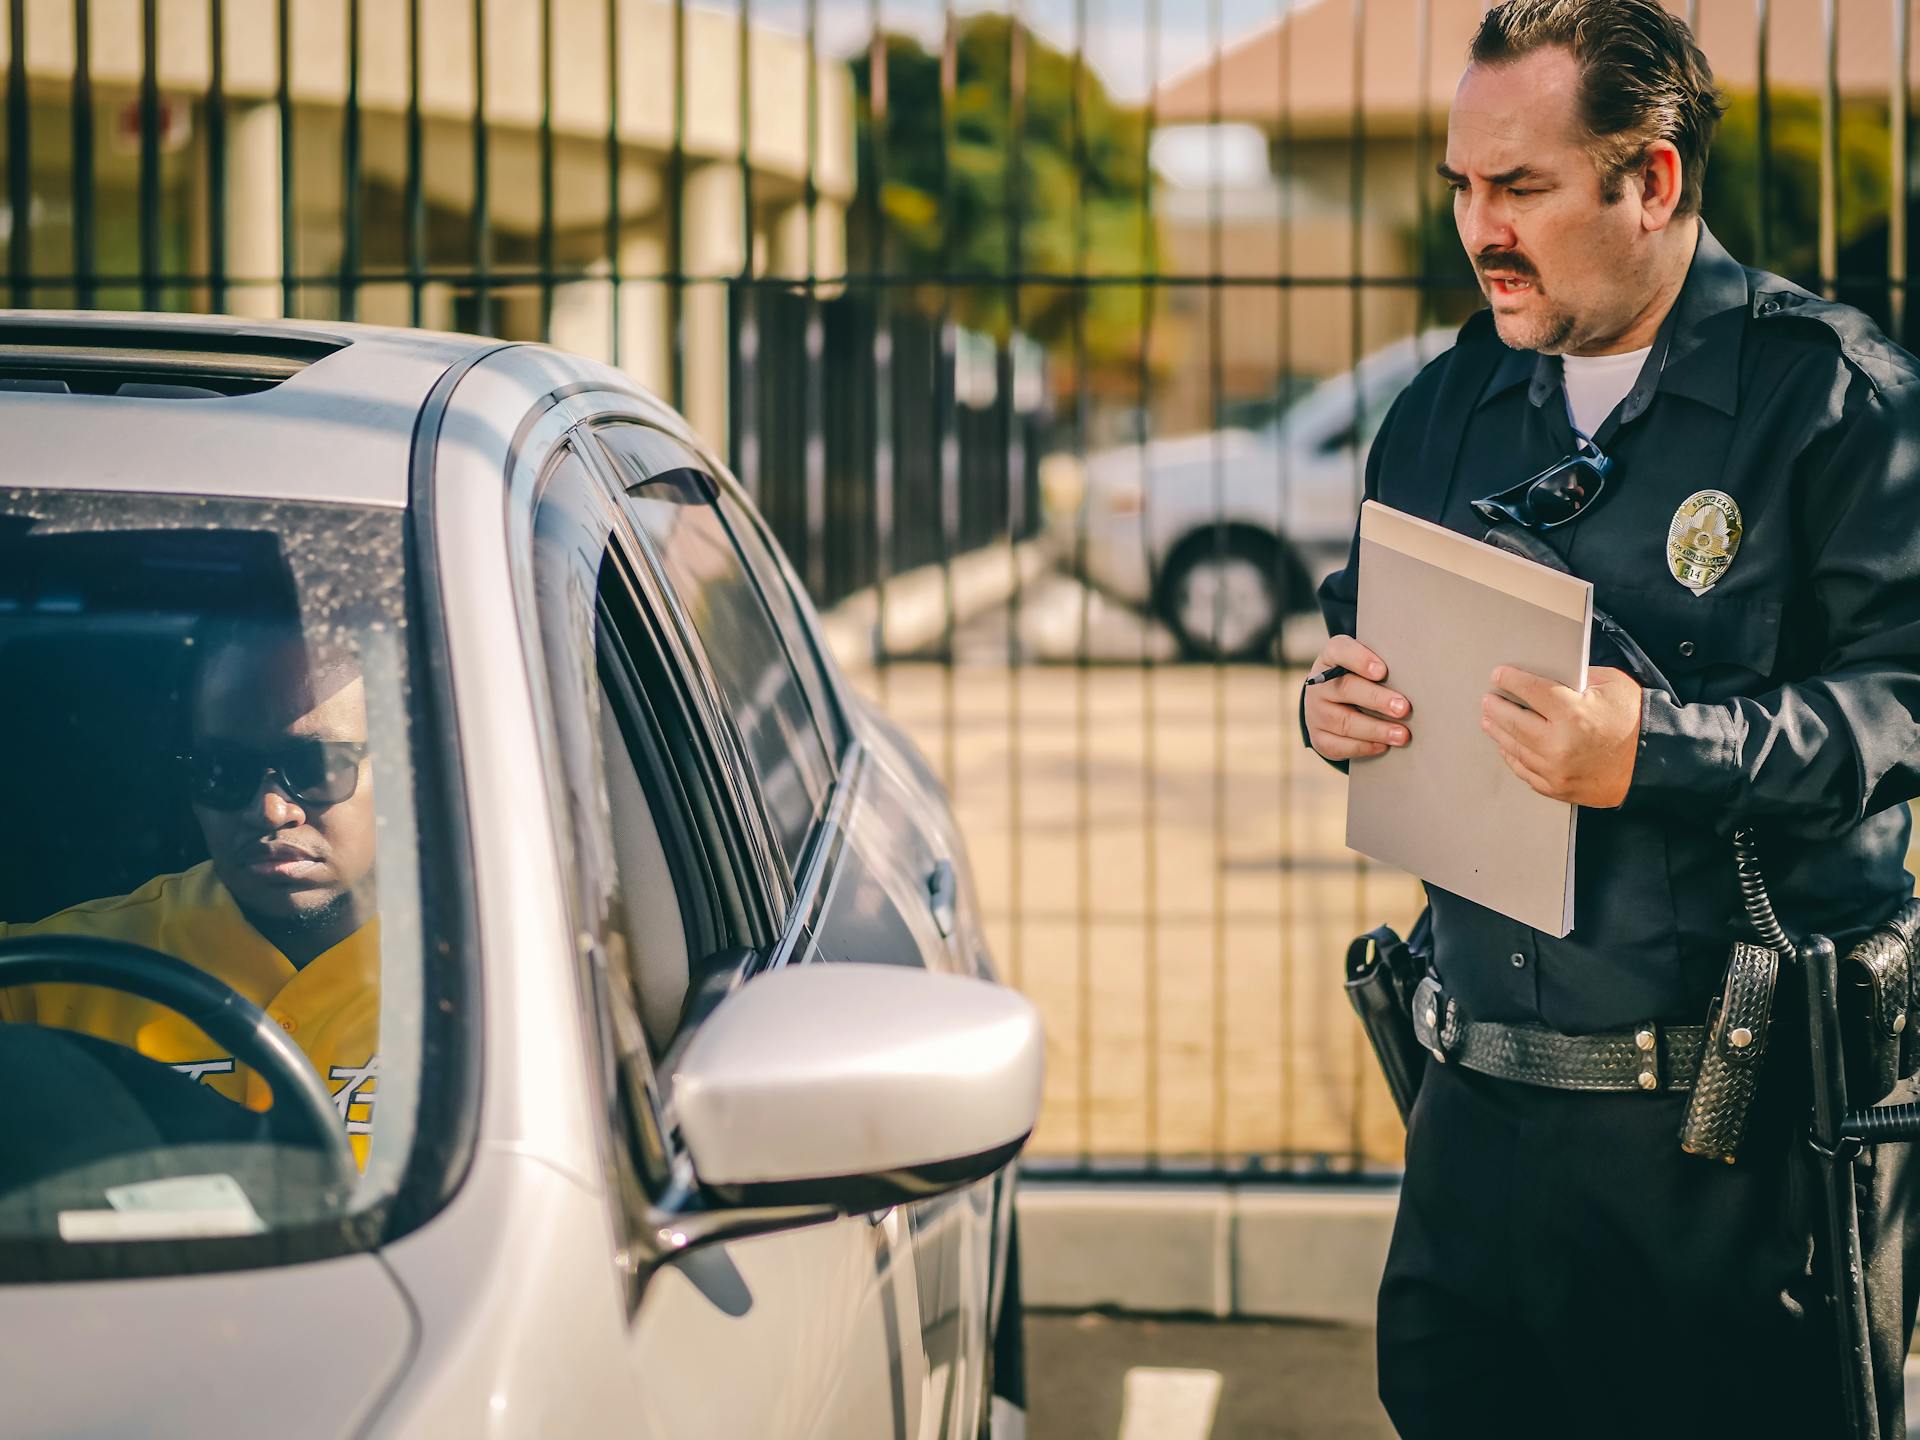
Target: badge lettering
(1703, 538)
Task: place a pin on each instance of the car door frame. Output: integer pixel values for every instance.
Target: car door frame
(814, 881)
(807, 885)
(645, 1247)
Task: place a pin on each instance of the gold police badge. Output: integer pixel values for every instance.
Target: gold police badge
(1702, 539)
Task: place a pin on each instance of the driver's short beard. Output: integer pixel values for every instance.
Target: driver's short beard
(318, 919)
(1551, 336)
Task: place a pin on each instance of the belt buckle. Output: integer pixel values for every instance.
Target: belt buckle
(1433, 1018)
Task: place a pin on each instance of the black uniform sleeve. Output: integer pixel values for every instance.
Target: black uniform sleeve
(1819, 755)
(1339, 593)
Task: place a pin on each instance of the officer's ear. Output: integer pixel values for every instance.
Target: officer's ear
(1655, 182)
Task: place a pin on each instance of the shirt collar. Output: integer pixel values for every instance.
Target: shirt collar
(1696, 352)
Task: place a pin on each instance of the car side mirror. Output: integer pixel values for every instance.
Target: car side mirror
(857, 1087)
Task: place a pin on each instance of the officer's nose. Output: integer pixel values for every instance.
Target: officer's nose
(1484, 223)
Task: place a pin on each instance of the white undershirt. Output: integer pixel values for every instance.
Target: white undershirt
(1597, 383)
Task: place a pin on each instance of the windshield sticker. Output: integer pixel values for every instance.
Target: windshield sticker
(181, 1207)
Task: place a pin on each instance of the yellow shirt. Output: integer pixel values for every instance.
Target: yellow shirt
(330, 1007)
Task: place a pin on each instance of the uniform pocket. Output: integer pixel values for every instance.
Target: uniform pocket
(1706, 644)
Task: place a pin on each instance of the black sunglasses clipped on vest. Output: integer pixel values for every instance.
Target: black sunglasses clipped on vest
(1560, 493)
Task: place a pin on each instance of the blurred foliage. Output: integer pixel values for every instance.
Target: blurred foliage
(1078, 207)
(1789, 243)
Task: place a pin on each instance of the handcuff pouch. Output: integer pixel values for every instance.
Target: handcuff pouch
(1880, 991)
(1723, 1091)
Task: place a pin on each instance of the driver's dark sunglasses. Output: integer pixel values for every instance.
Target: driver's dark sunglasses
(1559, 493)
(313, 772)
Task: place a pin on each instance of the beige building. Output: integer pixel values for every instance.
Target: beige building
(1336, 100)
(723, 178)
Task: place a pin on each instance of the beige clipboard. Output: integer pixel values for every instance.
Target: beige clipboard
(1442, 611)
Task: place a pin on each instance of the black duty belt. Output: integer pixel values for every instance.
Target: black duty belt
(1647, 1057)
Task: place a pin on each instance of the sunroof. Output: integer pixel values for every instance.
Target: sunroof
(153, 362)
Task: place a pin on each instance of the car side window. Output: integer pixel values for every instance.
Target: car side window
(778, 585)
(652, 893)
(676, 507)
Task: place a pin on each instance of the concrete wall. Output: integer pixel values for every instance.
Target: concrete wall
(740, 201)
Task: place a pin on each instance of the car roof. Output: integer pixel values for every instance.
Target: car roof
(324, 411)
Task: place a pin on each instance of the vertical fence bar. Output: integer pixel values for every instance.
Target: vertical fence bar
(545, 253)
(1423, 158)
(879, 262)
(1082, 676)
(1829, 149)
(615, 282)
(216, 157)
(480, 220)
(80, 134)
(1216, 467)
(743, 409)
(1356, 210)
(1014, 456)
(946, 410)
(1763, 135)
(416, 200)
(1899, 169)
(815, 494)
(676, 217)
(1149, 700)
(19, 160)
(352, 248)
(1284, 1111)
(283, 100)
(149, 155)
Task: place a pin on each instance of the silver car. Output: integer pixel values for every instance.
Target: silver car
(471, 967)
(1225, 534)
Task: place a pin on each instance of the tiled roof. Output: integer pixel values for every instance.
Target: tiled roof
(1303, 66)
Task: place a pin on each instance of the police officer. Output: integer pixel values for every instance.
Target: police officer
(1746, 459)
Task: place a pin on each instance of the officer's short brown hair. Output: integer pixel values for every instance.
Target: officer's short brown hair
(1642, 79)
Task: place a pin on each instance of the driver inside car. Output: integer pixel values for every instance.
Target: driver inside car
(283, 911)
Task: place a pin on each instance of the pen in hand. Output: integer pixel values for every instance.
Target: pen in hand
(1332, 672)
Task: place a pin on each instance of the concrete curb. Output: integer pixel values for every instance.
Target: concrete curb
(916, 602)
(1228, 1251)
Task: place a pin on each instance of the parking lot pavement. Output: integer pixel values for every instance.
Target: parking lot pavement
(1058, 620)
(1100, 1377)
(1162, 869)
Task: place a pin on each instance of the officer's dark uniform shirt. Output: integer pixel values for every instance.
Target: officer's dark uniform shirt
(1796, 704)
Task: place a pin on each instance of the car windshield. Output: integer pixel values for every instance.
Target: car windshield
(212, 924)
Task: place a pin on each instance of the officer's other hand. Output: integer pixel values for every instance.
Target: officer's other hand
(1354, 716)
(1577, 747)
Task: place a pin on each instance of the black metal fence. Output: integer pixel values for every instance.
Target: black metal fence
(955, 285)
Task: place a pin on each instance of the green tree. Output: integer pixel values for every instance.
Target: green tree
(1789, 240)
(979, 207)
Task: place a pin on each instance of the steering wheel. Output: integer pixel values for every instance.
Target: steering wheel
(228, 1017)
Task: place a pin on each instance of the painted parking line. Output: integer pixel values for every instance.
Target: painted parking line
(1168, 1404)
(1008, 1422)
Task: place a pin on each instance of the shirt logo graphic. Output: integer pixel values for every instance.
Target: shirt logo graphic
(355, 1093)
(198, 1070)
(1702, 539)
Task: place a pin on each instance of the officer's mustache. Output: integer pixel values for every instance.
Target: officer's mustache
(1507, 262)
